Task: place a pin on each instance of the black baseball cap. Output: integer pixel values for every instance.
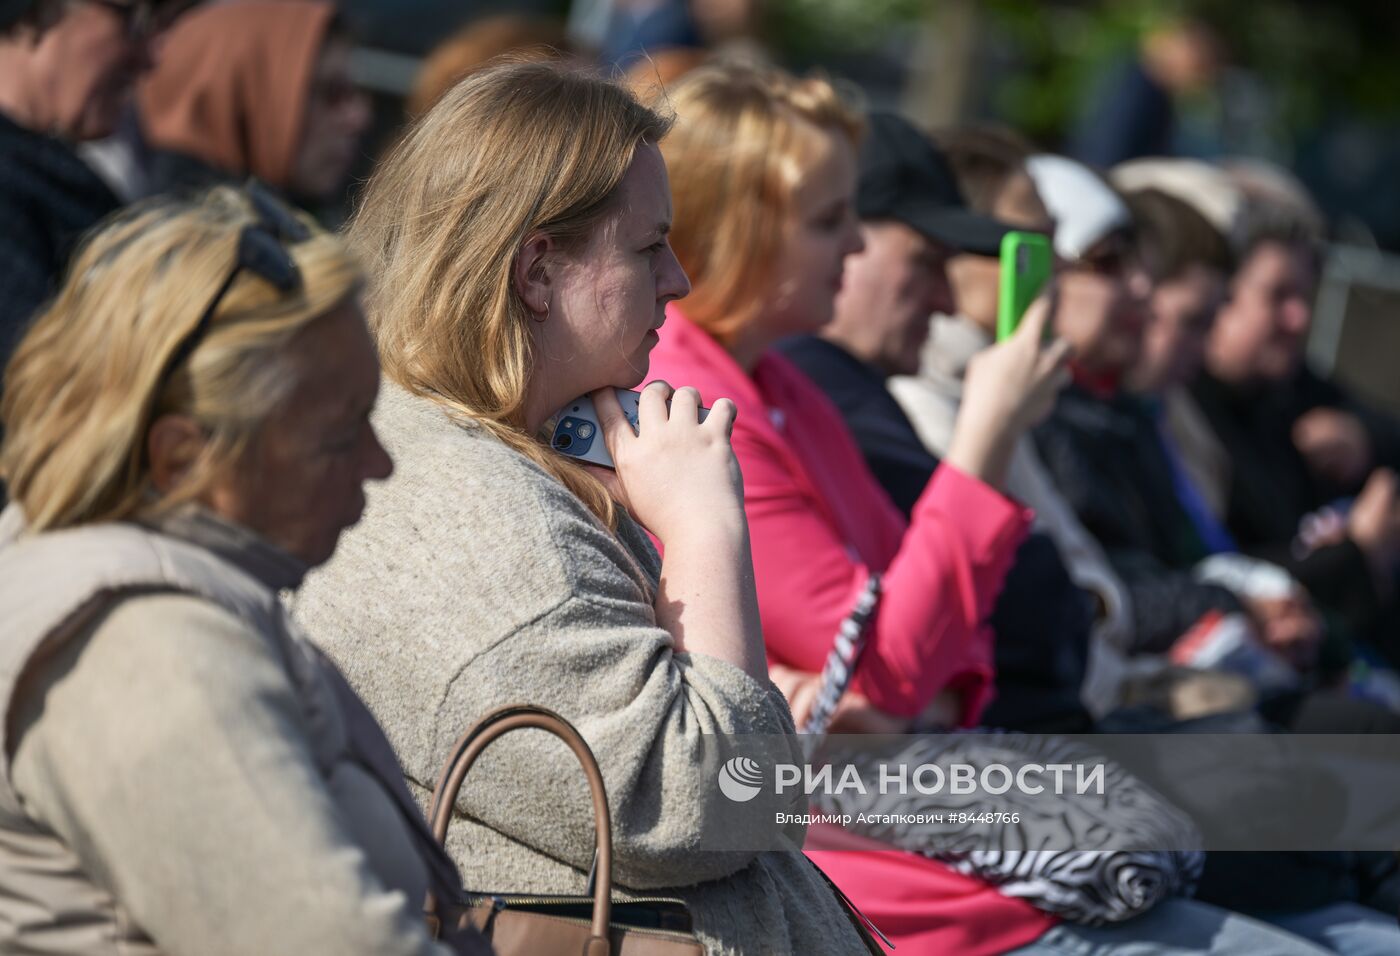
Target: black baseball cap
(904, 177)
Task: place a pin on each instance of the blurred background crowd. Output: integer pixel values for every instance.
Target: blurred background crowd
(1211, 506)
(1292, 85)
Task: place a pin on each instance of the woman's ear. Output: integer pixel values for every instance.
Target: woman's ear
(532, 272)
(173, 445)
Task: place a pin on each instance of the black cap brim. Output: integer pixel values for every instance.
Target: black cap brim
(962, 229)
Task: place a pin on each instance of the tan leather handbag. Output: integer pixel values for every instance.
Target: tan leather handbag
(543, 925)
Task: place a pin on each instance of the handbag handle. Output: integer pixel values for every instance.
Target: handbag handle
(465, 753)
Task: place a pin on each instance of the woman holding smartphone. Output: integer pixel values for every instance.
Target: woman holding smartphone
(517, 240)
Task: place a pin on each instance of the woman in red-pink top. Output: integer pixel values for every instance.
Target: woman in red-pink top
(763, 174)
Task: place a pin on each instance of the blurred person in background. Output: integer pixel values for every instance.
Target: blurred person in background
(1210, 193)
(476, 45)
(627, 30)
(252, 88)
(1319, 896)
(66, 72)
(1312, 484)
(1189, 263)
(519, 230)
(1107, 456)
(913, 219)
(187, 434)
(990, 166)
(1131, 112)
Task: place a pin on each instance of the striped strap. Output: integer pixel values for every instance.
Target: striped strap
(841, 662)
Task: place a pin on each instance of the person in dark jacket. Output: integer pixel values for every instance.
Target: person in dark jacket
(66, 70)
(1297, 442)
(1105, 448)
(1131, 111)
(1041, 620)
(1100, 444)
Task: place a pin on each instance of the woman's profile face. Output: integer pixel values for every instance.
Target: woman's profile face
(610, 296)
(302, 482)
(820, 232)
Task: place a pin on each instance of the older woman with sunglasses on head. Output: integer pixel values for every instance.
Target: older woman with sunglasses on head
(518, 235)
(187, 433)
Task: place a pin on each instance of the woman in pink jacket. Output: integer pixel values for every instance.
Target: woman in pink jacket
(763, 170)
(763, 223)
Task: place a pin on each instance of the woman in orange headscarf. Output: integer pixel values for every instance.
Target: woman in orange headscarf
(253, 88)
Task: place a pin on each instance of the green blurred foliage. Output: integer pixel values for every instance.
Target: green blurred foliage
(812, 30)
(1313, 57)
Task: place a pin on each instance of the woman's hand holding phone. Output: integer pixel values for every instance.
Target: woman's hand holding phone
(678, 477)
(675, 474)
(1009, 388)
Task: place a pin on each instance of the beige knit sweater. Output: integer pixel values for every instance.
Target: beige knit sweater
(475, 580)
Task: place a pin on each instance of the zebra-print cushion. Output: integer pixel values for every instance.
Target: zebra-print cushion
(1089, 859)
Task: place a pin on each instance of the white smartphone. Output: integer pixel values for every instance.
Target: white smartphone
(578, 434)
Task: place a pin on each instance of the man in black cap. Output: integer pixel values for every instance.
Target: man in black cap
(913, 219)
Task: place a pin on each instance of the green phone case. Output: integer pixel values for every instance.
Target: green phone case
(1026, 263)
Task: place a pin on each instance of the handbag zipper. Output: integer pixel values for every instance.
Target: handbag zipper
(499, 902)
(509, 898)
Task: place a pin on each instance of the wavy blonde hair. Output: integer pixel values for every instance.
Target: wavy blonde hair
(514, 150)
(742, 144)
(81, 389)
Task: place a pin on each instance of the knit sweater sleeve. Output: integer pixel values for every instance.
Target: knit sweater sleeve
(477, 580)
(653, 717)
(168, 753)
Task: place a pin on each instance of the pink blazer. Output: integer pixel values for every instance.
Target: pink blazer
(821, 524)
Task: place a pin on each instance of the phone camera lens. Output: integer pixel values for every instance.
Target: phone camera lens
(562, 442)
(585, 430)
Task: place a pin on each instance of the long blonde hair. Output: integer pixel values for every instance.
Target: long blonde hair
(741, 147)
(80, 391)
(513, 150)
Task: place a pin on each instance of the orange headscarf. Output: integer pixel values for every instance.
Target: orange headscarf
(231, 82)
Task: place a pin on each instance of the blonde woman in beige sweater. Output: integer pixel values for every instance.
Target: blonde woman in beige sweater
(186, 433)
(517, 245)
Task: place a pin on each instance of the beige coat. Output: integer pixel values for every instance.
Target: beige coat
(176, 776)
(476, 580)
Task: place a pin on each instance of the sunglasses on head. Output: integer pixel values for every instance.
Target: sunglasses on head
(262, 250)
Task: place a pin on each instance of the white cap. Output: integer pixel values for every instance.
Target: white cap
(1084, 207)
(1205, 188)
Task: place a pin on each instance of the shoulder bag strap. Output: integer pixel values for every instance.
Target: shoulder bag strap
(465, 753)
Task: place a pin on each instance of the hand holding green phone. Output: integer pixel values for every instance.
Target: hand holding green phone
(1027, 261)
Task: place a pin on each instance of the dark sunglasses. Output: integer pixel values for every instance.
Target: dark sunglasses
(262, 250)
(1113, 257)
